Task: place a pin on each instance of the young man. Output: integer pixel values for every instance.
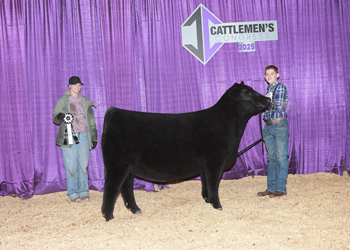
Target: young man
(275, 135)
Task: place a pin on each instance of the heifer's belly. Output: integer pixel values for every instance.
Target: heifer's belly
(159, 171)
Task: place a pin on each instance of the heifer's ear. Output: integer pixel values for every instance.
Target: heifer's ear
(242, 82)
(233, 92)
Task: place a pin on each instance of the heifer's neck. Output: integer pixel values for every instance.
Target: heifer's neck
(238, 116)
(238, 112)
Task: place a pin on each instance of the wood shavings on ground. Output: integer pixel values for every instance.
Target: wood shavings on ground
(314, 215)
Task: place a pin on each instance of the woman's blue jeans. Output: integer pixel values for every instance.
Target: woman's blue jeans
(276, 141)
(75, 160)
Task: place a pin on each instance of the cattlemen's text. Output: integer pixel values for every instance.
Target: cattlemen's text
(241, 28)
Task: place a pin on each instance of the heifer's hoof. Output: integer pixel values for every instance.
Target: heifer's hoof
(111, 217)
(136, 211)
(217, 206)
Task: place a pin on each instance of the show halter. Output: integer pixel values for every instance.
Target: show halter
(255, 143)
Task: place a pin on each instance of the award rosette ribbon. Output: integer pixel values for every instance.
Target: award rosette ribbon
(69, 133)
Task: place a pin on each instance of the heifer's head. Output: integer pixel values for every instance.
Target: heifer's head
(247, 100)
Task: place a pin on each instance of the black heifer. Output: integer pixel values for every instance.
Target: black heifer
(168, 147)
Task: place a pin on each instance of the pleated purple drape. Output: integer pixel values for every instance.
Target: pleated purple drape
(129, 55)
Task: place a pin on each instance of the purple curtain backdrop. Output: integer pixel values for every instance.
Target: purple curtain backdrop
(129, 54)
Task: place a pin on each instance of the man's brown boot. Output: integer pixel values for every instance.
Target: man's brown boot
(266, 192)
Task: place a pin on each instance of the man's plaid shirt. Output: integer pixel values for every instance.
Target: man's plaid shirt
(279, 102)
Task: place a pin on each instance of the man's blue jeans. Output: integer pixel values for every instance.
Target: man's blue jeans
(75, 160)
(276, 141)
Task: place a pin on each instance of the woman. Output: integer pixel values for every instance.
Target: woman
(75, 111)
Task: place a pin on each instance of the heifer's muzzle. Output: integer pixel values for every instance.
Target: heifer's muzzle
(263, 103)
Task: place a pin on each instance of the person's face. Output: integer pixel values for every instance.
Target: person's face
(271, 76)
(75, 88)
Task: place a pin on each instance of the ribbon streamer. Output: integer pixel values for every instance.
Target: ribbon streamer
(69, 133)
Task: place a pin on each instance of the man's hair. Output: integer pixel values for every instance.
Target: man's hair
(272, 67)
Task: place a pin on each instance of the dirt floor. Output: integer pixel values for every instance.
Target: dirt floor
(314, 215)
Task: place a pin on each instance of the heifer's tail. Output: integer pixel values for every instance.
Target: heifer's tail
(107, 115)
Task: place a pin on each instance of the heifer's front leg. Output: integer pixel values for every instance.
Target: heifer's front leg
(127, 191)
(213, 180)
(113, 182)
(204, 187)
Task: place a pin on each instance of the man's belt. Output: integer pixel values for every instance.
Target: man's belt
(270, 122)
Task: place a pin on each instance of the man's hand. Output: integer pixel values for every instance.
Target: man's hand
(60, 116)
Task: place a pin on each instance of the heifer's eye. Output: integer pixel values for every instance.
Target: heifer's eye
(247, 93)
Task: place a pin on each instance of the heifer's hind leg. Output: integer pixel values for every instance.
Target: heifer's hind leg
(127, 191)
(113, 181)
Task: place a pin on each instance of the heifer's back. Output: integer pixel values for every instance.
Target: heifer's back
(167, 147)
